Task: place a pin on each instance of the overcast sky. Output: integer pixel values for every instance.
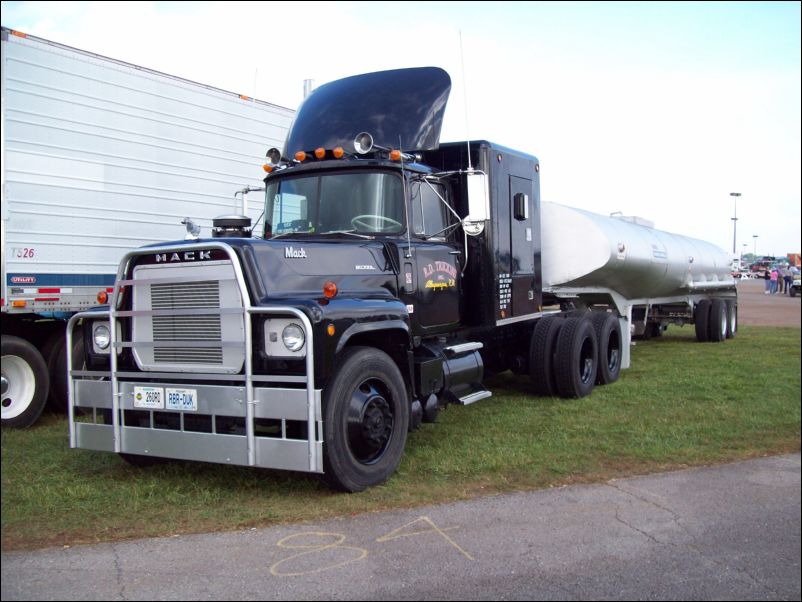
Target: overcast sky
(653, 109)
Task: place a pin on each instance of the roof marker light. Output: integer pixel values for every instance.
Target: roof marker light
(320, 152)
(300, 156)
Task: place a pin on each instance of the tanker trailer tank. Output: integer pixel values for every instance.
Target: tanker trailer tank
(583, 250)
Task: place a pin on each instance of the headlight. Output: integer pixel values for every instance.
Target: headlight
(293, 337)
(101, 336)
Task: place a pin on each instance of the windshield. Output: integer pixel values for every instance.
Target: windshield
(368, 203)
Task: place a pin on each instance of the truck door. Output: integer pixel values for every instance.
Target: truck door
(431, 277)
(522, 294)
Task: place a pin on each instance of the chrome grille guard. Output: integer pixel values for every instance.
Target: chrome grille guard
(313, 416)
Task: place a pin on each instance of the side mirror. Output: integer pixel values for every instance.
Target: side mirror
(478, 203)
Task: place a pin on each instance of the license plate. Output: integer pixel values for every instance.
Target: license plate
(182, 399)
(149, 397)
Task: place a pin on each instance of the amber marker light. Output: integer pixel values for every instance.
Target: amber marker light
(300, 156)
(338, 152)
(329, 290)
(267, 167)
(395, 155)
(103, 297)
(330, 330)
(320, 152)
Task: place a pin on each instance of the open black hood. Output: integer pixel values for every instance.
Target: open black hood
(402, 104)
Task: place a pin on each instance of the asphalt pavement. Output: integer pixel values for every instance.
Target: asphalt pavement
(728, 532)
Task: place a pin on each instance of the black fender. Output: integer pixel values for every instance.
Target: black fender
(381, 323)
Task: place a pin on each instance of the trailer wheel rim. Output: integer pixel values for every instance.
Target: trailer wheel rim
(18, 386)
(587, 361)
(370, 421)
(613, 357)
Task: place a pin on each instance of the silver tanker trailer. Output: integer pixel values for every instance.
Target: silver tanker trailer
(652, 278)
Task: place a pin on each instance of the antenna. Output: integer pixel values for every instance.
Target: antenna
(465, 101)
(408, 252)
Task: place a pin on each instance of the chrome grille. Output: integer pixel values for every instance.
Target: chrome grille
(194, 295)
(188, 355)
(188, 317)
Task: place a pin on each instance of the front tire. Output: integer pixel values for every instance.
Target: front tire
(366, 420)
(25, 383)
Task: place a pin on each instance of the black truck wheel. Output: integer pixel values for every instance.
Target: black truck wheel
(718, 320)
(732, 319)
(701, 320)
(366, 417)
(608, 336)
(25, 383)
(541, 355)
(576, 360)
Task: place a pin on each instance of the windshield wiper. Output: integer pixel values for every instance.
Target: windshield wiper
(349, 232)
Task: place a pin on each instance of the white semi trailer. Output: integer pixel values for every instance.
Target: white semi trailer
(385, 283)
(100, 156)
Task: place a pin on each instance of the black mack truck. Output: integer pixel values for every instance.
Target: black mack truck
(389, 275)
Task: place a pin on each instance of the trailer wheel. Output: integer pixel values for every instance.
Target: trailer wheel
(541, 355)
(701, 319)
(732, 319)
(718, 320)
(366, 419)
(608, 336)
(576, 361)
(25, 383)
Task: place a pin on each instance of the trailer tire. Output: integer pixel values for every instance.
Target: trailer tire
(366, 417)
(25, 383)
(541, 355)
(576, 361)
(732, 319)
(701, 320)
(718, 320)
(608, 336)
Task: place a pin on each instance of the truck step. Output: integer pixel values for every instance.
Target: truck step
(460, 348)
(475, 396)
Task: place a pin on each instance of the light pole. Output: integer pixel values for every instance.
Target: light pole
(734, 196)
(754, 237)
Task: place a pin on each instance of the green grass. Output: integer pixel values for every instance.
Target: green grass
(681, 404)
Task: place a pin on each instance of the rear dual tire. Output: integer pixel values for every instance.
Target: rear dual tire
(569, 356)
(576, 361)
(715, 320)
